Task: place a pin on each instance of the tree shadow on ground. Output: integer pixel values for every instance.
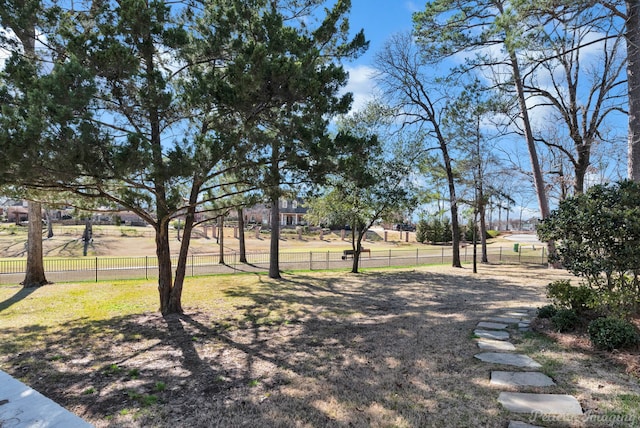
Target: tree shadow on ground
(374, 349)
(21, 294)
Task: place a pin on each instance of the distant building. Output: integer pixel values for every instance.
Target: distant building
(292, 213)
(129, 218)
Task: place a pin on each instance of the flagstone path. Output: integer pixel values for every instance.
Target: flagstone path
(493, 338)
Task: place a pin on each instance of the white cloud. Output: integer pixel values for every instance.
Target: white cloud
(362, 85)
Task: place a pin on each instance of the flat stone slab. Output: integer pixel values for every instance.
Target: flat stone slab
(519, 314)
(516, 360)
(495, 345)
(495, 335)
(24, 407)
(499, 378)
(492, 325)
(505, 320)
(518, 424)
(543, 404)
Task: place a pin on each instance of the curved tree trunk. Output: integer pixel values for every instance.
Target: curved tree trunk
(175, 298)
(34, 276)
(455, 225)
(357, 248)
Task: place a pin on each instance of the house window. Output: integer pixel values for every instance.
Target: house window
(284, 203)
(294, 204)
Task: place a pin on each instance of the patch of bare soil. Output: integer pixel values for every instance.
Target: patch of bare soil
(376, 349)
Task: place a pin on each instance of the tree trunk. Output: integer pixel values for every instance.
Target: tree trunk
(165, 274)
(49, 224)
(34, 276)
(455, 225)
(483, 227)
(221, 239)
(175, 298)
(357, 249)
(274, 248)
(87, 236)
(243, 249)
(632, 37)
(475, 240)
(538, 179)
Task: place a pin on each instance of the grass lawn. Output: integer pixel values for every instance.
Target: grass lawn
(384, 348)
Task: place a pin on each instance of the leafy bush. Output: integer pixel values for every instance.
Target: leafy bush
(547, 311)
(619, 302)
(493, 233)
(597, 235)
(565, 320)
(612, 333)
(565, 295)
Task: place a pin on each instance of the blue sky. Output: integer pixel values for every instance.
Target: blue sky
(379, 19)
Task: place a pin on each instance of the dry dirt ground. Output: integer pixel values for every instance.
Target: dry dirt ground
(381, 349)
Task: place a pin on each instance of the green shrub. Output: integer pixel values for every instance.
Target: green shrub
(612, 333)
(547, 311)
(565, 295)
(597, 235)
(565, 320)
(620, 302)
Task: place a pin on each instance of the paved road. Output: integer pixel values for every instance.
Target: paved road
(522, 237)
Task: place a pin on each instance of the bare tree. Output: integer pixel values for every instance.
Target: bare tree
(583, 89)
(402, 73)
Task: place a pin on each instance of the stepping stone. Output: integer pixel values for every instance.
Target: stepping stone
(518, 424)
(542, 404)
(492, 325)
(505, 320)
(495, 345)
(495, 335)
(518, 314)
(499, 378)
(517, 360)
(524, 324)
